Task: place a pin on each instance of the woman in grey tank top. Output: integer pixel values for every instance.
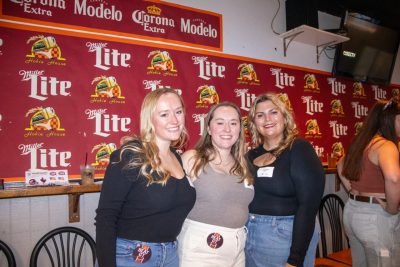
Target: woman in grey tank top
(214, 233)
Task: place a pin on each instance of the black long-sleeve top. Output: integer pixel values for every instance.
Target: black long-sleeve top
(130, 209)
(295, 188)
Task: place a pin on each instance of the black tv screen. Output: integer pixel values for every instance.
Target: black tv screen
(369, 55)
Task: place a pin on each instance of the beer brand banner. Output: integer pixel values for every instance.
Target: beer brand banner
(65, 97)
(134, 18)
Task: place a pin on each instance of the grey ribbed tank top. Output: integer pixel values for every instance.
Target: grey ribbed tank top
(220, 199)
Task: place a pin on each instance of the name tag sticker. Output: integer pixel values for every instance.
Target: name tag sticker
(247, 185)
(265, 172)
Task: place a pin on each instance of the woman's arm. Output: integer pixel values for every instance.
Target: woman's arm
(346, 183)
(388, 160)
(188, 161)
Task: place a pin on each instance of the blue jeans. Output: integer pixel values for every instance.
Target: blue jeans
(373, 233)
(132, 253)
(269, 240)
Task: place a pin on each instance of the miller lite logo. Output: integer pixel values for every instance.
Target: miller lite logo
(245, 98)
(282, 79)
(107, 123)
(199, 118)
(43, 158)
(379, 93)
(106, 57)
(208, 69)
(359, 110)
(338, 129)
(312, 106)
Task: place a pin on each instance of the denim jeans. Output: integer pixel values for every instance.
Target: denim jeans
(132, 253)
(373, 233)
(269, 240)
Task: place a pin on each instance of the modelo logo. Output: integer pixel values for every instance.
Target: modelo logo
(100, 12)
(201, 29)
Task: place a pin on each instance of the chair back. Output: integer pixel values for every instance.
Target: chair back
(64, 247)
(7, 252)
(330, 215)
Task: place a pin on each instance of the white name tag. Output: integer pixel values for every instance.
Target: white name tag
(247, 185)
(265, 172)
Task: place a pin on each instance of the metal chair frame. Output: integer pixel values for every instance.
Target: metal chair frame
(332, 206)
(8, 253)
(66, 245)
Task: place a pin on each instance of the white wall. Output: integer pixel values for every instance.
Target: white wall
(247, 32)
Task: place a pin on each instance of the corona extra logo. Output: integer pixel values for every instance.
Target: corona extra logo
(358, 89)
(310, 83)
(336, 107)
(44, 48)
(103, 152)
(208, 96)
(337, 150)
(43, 119)
(247, 74)
(154, 10)
(312, 128)
(106, 87)
(160, 61)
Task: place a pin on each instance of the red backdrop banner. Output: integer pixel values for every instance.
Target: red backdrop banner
(64, 97)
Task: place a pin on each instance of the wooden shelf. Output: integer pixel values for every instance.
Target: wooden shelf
(49, 190)
(312, 36)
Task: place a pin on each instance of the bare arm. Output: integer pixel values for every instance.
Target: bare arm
(188, 161)
(388, 160)
(344, 180)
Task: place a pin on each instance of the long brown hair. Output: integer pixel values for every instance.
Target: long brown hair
(205, 151)
(380, 120)
(290, 131)
(145, 146)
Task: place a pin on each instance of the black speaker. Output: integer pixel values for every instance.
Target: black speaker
(299, 12)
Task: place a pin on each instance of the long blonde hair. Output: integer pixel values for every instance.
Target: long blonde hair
(205, 151)
(145, 146)
(290, 131)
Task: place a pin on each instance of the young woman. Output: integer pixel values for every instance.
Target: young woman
(289, 183)
(145, 195)
(370, 171)
(214, 233)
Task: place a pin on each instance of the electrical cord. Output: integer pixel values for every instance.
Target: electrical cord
(272, 21)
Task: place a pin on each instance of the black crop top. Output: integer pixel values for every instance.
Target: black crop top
(130, 209)
(295, 188)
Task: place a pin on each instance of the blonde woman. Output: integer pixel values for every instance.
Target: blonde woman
(214, 233)
(289, 183)
(145, 195)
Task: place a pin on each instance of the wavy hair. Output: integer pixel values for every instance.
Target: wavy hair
(380, 120)
(145, 147)
(206, 152)
(290, 131)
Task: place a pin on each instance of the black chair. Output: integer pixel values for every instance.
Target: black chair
(330, 216)
(4, 249)
(64, 247)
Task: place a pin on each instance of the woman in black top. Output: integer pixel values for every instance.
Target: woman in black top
(289, 183)
(145, 195)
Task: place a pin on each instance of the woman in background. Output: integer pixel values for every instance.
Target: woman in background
(145, 195)
(370, 172)
(289, 183)
(214, 233)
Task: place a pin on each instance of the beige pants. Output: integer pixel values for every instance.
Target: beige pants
(206, 245)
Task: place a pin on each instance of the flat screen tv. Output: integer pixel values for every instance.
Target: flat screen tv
(370, 54)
